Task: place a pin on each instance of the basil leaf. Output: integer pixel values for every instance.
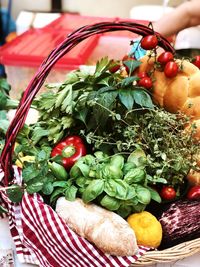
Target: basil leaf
(116, 188)
(94, 189)
(136, 175)
(124, 210)
(155, 195)
(35, 187)
(110, 203)
(143, 194)
(55, 195)
(47, 188)
(70, 193)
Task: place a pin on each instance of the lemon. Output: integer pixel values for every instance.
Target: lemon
(147, 228)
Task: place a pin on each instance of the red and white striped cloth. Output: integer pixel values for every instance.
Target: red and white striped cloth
(41, 237)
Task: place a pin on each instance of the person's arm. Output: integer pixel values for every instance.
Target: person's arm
(184, 16)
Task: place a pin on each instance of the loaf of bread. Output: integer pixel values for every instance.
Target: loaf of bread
(180, 93)
(107, 230)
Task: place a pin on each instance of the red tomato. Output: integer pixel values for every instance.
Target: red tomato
(171, 69)
(145, 82)
(165, 57)
(114, 68)
(168, 193)
(194, 193)
(196, 61)
(149, 42)
(142, 74)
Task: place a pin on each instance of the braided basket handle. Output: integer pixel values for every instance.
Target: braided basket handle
(37, 81)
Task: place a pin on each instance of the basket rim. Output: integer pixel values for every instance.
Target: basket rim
(175, 253)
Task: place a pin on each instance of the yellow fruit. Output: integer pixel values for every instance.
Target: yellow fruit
(147, 228)
(19, 162)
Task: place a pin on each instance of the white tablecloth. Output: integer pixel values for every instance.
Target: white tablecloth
(6, 243)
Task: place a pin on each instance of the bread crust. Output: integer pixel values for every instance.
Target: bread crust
(107, 230)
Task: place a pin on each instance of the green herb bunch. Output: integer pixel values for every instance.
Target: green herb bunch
(115, 182)
(115, 116)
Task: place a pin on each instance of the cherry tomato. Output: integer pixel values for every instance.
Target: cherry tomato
(194, 193)
(142, 74)
(114, 68)
(145, 82)
(168, 193)
(196, 61)
(171, 69)
(149, 42)
(165, 57)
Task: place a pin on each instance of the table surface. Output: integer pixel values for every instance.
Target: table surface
(6, 243)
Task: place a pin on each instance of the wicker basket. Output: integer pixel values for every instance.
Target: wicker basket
(171, 254)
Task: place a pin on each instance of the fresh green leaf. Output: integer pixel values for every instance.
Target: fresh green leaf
(4, 85)
(56, 194)
(15, 193)
(63, 184)
(126, 98)
(38, 133)
(124, 210)
(103, 106)
(101, 66)
(128, 82)
(3, 101)
(110, 203)
(47, 188)
(116, 188)
(155, 195)
(42, 155)
(142, 98)
(132, 64)
(143, 194)
(34, 187)
(70, 193)
(67, 102)
(93, 190)
(29, 173)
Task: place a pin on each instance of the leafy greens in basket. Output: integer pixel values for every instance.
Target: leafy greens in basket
(116, 117)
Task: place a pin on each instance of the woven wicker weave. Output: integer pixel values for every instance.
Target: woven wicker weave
(171, 254)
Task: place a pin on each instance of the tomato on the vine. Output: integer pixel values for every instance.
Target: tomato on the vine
(196, 61)
(114, 68)
(145, 82)
(165, 57)
(168, 193)
(171, 69)
(142, 74)
(149, 42)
